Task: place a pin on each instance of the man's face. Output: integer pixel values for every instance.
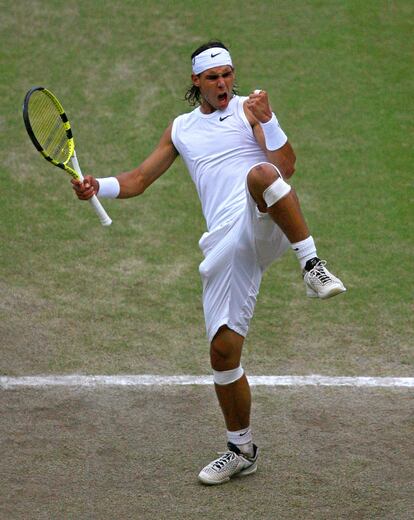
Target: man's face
(216, 86)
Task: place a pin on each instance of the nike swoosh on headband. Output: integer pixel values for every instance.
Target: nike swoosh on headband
(214, 57)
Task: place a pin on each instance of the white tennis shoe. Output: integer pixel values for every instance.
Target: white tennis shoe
(231, 463)
(320, 283)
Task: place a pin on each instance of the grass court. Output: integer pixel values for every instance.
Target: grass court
(77, 298)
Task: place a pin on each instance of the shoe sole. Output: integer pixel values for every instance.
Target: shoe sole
(247, 471)
(244, 473)
(310, 293)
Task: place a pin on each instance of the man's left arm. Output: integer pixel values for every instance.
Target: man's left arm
(262, 119)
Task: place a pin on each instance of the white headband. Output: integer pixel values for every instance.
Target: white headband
(214, 57)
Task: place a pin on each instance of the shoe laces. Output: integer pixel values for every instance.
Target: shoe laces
(320, 272)
(225, 458)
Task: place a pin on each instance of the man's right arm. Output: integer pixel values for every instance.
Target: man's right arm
(136, 181)
(258, 111)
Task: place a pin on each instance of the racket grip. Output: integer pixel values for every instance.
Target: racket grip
(100, 211)
(94, 201)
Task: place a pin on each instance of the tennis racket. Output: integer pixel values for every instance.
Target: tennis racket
(49, 129)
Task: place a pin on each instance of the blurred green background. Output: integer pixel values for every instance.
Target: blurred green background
(76, 297)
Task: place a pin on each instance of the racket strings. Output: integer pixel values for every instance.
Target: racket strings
(48, 127)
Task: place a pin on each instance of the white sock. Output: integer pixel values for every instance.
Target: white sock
(243, 439)
(305, 250)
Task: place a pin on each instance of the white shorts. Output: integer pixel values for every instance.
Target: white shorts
(236, 256)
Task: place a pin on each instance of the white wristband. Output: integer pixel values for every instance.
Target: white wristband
(109, 187)
(275, 137)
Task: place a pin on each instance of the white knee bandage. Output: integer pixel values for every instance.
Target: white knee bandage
(276, 191)
(228, 376)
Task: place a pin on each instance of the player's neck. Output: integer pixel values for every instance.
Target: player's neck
(207, 108)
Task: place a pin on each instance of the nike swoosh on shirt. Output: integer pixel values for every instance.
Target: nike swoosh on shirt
(214, 55)
(225, 117)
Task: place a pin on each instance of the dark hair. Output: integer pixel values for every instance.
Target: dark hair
(193, 94)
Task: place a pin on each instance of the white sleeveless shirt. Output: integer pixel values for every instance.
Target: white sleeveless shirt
(218, 149)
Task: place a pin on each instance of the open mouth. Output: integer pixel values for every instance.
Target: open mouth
(222, 97)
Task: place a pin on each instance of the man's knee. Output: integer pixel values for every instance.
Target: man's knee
(225, 350)
(262, 175)
(266, 185)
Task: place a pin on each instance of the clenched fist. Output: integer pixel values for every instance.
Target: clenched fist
(258, 104)
(86, 189)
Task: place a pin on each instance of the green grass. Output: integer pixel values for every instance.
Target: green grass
(77, 297)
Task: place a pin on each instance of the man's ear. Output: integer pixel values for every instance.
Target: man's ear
(195, 79)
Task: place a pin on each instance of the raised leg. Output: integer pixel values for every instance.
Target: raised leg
(286, 212)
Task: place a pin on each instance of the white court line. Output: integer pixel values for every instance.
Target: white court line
(158, 380)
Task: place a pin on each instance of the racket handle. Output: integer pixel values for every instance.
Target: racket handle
(94, 201)
(100, 211)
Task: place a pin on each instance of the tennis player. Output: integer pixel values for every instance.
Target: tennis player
(240, 161)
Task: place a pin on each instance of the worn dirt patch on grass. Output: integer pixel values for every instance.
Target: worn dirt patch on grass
(135, 453)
